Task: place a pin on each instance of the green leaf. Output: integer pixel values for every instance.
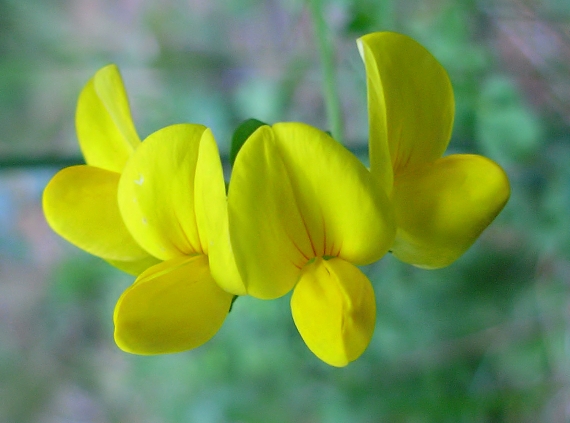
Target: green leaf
(241, 134)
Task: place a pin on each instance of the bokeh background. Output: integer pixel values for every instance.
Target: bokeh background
(485, 340)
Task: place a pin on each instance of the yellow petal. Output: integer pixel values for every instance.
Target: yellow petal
(156, 192)
(442, 207)
(135, 267)
(410, 103)
(268, 236)
(297, 194)
(105, 128)
(80, 204)
(212, 216)
(172, 307)
(334, 309)
(343, 211)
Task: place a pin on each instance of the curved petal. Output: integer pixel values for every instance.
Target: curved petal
(442, 207)
(211, 209)
(156, 192)
(268, 236)
(80, 204)
(135, 267)
(334, 309)
(410, 103)
(172, 307)
(344, 212)
(105, 129)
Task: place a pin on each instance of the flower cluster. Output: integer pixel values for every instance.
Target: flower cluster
(300, 213)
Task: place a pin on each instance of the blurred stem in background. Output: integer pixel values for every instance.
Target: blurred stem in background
(326, 53)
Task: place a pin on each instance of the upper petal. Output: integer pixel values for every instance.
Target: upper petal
(211, 209)
(268, 236)
(296, 194)
(103, 120)
(334, 309)
(156, 192)
(172, 307)
(80, 204)
(410, 103)
(343, 212)
(442, 207)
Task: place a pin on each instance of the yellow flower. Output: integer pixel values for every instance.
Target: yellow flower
(157, 207)
(173, 201)
(303, 212)
(80, 202)
(441, 204)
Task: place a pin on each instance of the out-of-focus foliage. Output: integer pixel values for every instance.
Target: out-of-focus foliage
(484, 340)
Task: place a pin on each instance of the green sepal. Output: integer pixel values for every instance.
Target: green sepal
(241, 134)
(233, 301)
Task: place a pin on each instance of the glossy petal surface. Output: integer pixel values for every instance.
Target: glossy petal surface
(344, 213)
(211, 209)
(80, 204)
(442, 207)
(334, 309)
(268, 235)
(105, 129)
(297, 194)
(156, 192)
(172, 307)
(410, 103)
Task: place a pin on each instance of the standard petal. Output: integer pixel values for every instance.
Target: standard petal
(344, 212)
(442, 207)
(80, 204)
(172, 307)
(105, 129)
(268, 235)
(410, 103)
(156, 192)
(211, 210)
(334, 309)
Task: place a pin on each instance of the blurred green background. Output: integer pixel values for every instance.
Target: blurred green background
(485, 340)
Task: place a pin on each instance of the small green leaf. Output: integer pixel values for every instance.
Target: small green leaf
(241, 134)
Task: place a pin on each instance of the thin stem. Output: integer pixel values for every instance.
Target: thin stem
(19, 162)
(331, 97)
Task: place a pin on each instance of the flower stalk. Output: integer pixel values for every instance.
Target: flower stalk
(326, 54)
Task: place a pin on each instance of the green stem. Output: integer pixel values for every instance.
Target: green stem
(326, 53)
